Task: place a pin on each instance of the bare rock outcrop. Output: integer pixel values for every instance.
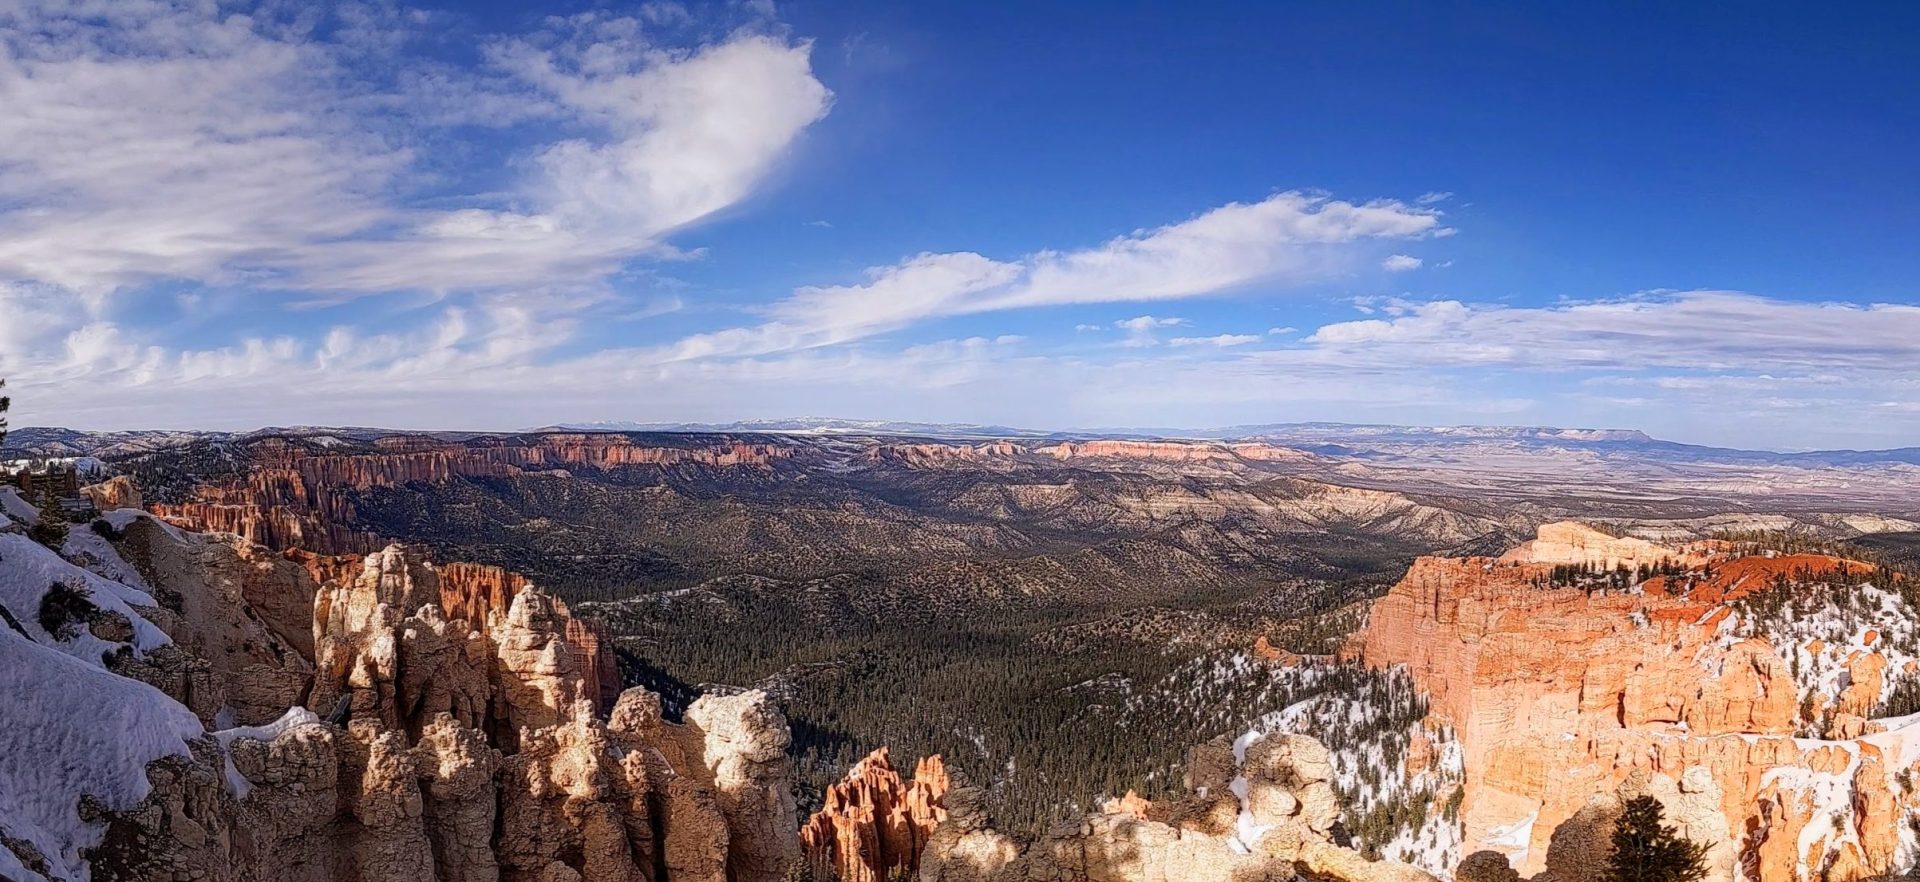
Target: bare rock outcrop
(1572, 542)
(115, 492)
(384, 643)
(1582, 845)
(451, 748)
(238, 609)
(297, 496)
(874, 823)
(1257, 811)
(1560, 694)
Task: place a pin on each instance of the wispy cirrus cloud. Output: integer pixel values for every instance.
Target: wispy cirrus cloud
(1218, 341)
(1286, 239)
(1696, 330)
(161, 141)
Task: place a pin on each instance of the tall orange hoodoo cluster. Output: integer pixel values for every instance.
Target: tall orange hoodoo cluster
(874, 823)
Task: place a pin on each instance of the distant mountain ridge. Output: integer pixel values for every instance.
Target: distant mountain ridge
(1356, 440)
(809, 426)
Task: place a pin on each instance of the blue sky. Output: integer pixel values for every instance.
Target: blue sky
(1692, 222)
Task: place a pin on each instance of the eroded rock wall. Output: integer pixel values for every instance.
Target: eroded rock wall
(1562, 695)
(411, 745)
(1259, 810)
(875, 824)
(295, 497)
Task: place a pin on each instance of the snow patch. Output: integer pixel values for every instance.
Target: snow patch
(28, 570)
(99, 557)
(1518, 837)
(19, 509)
(71, 730)
(237, 783)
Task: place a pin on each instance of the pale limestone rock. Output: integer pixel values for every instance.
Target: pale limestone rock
(964, 848)
(459, 767)
(540, 674)
(743, 748)
(212, 595)
(1289, 791)
(1289, 778)
(428, 782)
(391, 845)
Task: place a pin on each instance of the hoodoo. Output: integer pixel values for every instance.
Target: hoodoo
(1736, 693)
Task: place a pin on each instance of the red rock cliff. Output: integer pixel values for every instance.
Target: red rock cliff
(1561, 696)
(294, 497)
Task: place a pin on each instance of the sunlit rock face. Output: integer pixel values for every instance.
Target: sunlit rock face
(1259, 808)
(336, 722)
(1567, 700)
(296, 497)
(874, 823)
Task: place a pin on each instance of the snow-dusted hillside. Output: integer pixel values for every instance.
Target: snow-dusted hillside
(1396, 775)
(1828, 627)
(74, 736)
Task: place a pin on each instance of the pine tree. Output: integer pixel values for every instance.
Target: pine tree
(51, 528)
(4, 402)
(1645, 850)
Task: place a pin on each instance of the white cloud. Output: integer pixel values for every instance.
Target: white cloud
(1433, 197)
(1288, 238)
(1140, 329)
(148, 141)
(1148, 323)
(1400, 263)
(1286, 329)
(1218, 340)
(1726, 365)
(1707, 330)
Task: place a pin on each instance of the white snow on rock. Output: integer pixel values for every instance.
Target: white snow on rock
(18, 508)
(122, 518)
(1368, 729)
(238, 783)
(1515, 839)
(71, 729)
(28, 570)
(1819, 628)
(1246, 831)
(98, 556)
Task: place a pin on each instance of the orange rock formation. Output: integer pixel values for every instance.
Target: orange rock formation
(1560, 697)
(874, 824)
(115, 492)
(293, 497)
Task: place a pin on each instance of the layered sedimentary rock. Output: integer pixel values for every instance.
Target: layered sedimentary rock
(502, 662)
(1561, 695)
(437, 747)
(874, 824)
(293, 496)
(934, 455)
(1259, 810)
(1571, 542)
(1165, 451)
